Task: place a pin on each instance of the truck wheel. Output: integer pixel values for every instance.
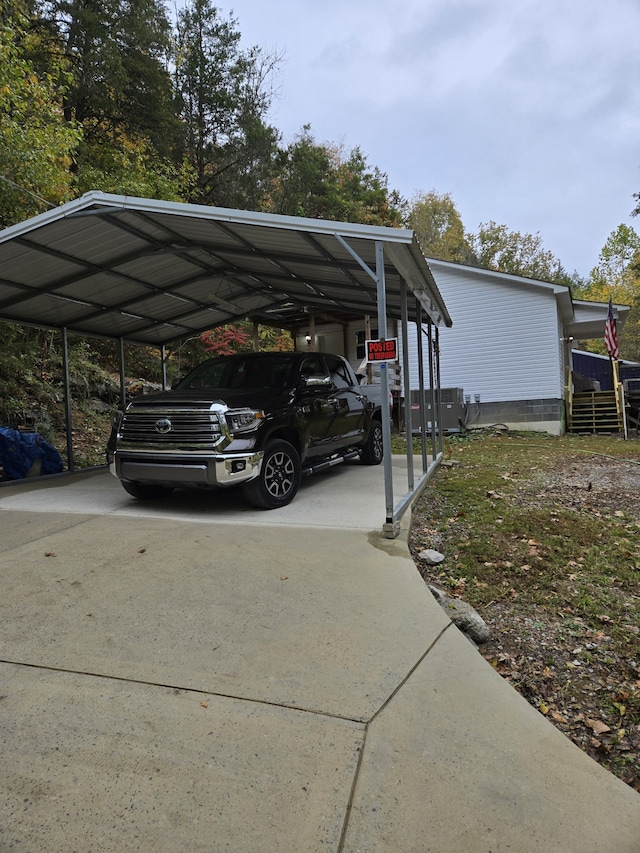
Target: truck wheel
(279, 478)
(145, 492)
(372, 451)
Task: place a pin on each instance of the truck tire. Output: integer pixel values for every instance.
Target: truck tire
(145, 492)
(279, 478)
(372, 450)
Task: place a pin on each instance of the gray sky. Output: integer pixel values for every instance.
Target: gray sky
(526, 111)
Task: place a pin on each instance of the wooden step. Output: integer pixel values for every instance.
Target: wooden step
(595, 411)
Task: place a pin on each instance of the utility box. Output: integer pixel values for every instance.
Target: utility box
(451, 414)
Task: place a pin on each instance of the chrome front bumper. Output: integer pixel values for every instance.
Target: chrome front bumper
(220, 469)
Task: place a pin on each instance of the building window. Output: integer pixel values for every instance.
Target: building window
(360, 343)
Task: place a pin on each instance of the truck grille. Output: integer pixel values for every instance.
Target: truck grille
(170, 427)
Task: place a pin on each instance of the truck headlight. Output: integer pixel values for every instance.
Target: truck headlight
(243, 420)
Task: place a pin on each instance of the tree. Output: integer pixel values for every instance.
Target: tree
(145, 104)
(118, 51)
(619, 257)
(364, 191)
(303, 173)
(617, 275)
(323, 182)
(244, 337)
(117, 162)
(120, 93)
(226, 340)
(438, 226)
(498, 248)
(271, 339)
(36, 143)
(223, 96)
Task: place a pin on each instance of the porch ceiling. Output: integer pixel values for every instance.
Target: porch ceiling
(589, 318)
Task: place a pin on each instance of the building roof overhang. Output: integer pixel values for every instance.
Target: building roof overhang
(589, 319)
(581, 319)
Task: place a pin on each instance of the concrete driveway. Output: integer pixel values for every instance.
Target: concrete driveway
(198, 675)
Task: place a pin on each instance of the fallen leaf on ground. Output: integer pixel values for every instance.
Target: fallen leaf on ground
(597, 726)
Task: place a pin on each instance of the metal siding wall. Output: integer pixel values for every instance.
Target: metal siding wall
(504, 341)
(593, 367)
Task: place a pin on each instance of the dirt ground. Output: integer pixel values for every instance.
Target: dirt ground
(570, 668)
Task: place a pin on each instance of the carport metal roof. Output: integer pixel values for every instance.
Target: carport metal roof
(153, 272)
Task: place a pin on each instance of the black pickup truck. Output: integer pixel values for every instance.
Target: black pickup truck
(260, 420)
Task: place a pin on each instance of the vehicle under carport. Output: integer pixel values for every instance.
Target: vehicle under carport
(153, 272)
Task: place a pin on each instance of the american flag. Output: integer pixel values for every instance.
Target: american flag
(610, 334)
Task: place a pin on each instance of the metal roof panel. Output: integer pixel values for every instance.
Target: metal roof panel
(153, 271)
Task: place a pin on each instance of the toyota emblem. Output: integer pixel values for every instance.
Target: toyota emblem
(163, 426)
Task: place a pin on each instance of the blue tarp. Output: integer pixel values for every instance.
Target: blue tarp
(19, 451)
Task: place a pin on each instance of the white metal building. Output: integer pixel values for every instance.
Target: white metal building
(509, 348)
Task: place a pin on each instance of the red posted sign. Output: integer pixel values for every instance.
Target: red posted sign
(382, 350)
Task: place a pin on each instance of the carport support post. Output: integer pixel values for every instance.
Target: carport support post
(435, 411)
(422, 403)
(67, 399)
(123, 392)
(391, 529)
(436, 345)
(407, 382)
(163, 359)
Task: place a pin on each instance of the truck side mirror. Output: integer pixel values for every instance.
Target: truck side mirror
(315, 380)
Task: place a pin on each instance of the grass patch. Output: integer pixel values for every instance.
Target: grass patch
(541, 536)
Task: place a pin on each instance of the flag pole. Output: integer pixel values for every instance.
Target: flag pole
(611, 344)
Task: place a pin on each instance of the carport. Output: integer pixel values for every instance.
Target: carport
(151, 272)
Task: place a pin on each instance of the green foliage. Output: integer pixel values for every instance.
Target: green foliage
(112, 161)
(121, 94)
(30, 378)
(620, 255)
(223, 97)
(244, 337)
(438, 226)
(198, 134)
(87, 375)
(498, 248)
(145, 104)
(363, 191)
(118, 51)
(36, 143)
(325, 182)
(617, 275)
(271, 339)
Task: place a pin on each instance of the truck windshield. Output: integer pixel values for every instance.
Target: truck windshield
(238, 373)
